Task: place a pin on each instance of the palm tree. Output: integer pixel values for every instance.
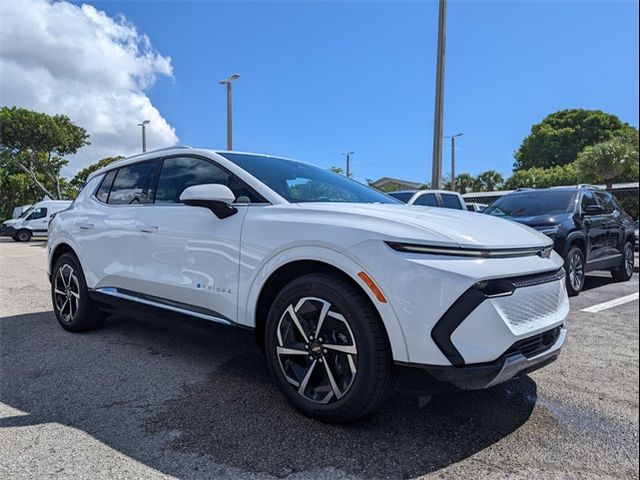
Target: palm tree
(466, 183)
(490, 180)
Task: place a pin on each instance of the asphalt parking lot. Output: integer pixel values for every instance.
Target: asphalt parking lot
(143, 398)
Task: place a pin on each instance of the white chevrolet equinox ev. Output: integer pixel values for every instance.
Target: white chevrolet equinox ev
(347, 291)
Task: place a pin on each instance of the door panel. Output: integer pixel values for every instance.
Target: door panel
(188, 255)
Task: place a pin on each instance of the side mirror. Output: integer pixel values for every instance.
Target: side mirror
(214, 196)
(594, 210)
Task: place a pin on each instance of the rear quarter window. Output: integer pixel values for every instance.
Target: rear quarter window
(451, 201)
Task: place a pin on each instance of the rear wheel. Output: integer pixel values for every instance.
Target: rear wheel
(625, 271)
(22, 236)
(327, 348)
(575, 268)
(74, 309)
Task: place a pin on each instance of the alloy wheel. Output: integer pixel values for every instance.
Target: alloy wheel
(576, 271)
(629, 261)
(66, 291)
(316, 350)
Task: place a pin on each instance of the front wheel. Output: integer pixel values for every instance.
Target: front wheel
(625, 271)
(22, 236)
(327, 348)
(75, 311)
(575, 268)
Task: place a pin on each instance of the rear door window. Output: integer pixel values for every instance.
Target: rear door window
(451, 201)
(131, 184)
(428, 199)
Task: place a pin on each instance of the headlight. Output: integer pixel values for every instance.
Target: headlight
(471, 252)
(549, 231)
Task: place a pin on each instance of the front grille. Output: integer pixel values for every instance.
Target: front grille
(536, 279)
(528, 309)
(532, 346)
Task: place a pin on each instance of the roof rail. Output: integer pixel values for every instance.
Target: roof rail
(161, 150)
(586, 185)
(523, 189)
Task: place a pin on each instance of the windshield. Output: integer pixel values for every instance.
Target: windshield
(299, 182)
(26, 212)
(529, 204)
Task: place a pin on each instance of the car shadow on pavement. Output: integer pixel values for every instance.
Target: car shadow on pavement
(164, 395)
(596, 280)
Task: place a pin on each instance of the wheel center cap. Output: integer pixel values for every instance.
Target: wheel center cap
(315, 349)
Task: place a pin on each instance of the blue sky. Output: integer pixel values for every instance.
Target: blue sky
(321, 78)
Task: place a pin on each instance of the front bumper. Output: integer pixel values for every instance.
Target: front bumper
(7, 230)
(517, 361)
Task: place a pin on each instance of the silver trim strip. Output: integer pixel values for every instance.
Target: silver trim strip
(111, 291)
(474, 253)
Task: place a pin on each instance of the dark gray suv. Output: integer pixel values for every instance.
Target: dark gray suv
(589, 228)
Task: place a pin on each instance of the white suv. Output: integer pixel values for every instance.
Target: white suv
(346, 290)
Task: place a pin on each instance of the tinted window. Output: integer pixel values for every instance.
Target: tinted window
(182, 172)
(37, 213)
(532, 203)
(103, 192)
(587, 199)
(428, 199)
(131, 185)
(402, 196)
(300, 182)
(605, 201)
(451, 201)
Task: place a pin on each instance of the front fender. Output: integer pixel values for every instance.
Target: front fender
(255, 280)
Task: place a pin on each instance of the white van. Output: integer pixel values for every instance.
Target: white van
(18, 211)
(34, 221)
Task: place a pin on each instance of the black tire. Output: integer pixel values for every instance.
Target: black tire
(574, 266)
(22, 235)
(625, 271)
(68, 284)
(359, 392)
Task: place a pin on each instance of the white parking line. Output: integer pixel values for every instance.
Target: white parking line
(612, 303)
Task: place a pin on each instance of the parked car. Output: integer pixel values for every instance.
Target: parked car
(431, 198)
(589, 228)
(34, 221)
(635, 232)
(344, 288)
(18, 211)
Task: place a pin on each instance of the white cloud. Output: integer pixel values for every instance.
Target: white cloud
(77, 61)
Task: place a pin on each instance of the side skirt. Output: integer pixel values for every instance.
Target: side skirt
(607, 263)
(115, 300)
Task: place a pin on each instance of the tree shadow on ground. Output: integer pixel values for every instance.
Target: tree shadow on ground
(142, 387)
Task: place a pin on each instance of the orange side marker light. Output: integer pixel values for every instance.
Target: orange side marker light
(372, 286)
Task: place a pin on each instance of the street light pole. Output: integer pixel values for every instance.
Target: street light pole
(348, 155)
(144, 134)
(436, 170)
(453, 159)
(227, 82)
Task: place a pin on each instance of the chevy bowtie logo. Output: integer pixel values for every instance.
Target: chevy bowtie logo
(545, 252)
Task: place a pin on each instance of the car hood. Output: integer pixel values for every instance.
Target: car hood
(12, 222)
(538, 221)
(438, 226)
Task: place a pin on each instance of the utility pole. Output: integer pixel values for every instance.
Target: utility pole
(453, 159)
(227, 82)
(144, 134)
(348, 155)
(436, 171)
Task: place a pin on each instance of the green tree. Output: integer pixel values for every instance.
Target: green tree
(78, 181)
(538, 177)
(466, 183)
(36, 144)
(561, 136)
(608, 162)
(490, 181)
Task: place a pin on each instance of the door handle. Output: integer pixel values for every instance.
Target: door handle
(149, 229)
(86, 226)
